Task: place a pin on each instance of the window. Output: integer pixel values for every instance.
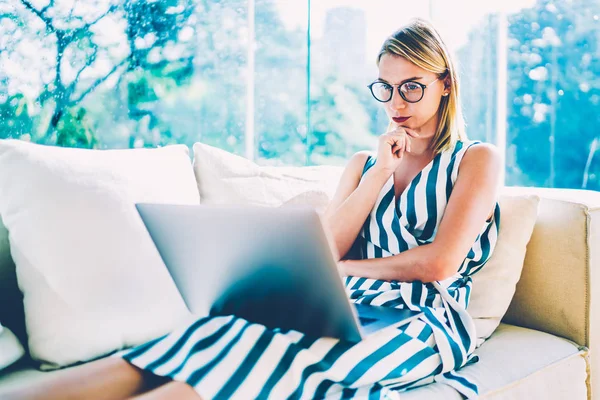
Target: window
(285, 82)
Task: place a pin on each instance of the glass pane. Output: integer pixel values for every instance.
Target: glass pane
(281, 81)
(554, 88)
(470, 29)
(346, 38)
(477, 58)
(123, 74)
(553, 82)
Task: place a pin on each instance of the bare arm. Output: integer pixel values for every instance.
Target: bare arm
(353, 201)
(473, 196)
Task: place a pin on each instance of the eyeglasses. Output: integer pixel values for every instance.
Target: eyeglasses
(410, 91)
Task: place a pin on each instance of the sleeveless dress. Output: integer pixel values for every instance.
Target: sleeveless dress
(227, 357)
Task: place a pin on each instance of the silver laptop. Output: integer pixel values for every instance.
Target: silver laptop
(272, 266)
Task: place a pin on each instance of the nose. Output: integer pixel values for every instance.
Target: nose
(397, 102)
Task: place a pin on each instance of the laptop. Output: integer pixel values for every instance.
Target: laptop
(272, 266)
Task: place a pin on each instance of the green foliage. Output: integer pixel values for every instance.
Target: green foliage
(553, 92)
(340, 122)
(75, 130)
(15, 118)
(554, 82)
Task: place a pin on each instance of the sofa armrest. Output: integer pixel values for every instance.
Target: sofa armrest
(559, 289)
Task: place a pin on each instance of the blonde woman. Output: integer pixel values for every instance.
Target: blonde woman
(412, 223)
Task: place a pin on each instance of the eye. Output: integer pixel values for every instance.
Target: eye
(411, 86)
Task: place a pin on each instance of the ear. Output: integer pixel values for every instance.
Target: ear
(447, 85)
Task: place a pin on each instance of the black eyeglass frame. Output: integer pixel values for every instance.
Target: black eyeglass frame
(423, 87)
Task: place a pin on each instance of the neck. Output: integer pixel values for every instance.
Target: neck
(421, 146)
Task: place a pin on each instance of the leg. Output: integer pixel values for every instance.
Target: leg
(108, 378)
(172, 390)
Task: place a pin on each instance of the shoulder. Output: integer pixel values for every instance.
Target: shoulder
(358, 161)
(360, 157)
(481, 160)
(480, 153)
(349, 179)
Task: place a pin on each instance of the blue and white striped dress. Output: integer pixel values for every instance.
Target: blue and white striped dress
(228, 357)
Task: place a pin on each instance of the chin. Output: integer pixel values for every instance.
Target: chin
(412, 125)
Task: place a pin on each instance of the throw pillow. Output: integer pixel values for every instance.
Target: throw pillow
(494, 285)
(92, 279)
(225, 178)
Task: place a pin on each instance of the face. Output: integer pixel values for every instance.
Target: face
(422, 116)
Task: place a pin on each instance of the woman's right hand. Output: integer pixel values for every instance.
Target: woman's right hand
(392, 146)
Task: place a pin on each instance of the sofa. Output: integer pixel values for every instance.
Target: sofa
(543, 346)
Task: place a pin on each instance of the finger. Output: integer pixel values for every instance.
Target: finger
(408, 144)
(399, 131)
(392, 140)
(394, 130)
(411, 132)
(401, 147)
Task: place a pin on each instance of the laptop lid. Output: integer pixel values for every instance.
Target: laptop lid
(272, 266)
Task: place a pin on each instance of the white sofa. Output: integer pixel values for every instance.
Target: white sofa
(541, 350)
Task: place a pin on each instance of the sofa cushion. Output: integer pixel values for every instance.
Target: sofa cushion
(558, 290)
(490, 299)
(92, 279)
(225, 178)
(515, 363)
(520, 363)
(11, 349)
(23, 373)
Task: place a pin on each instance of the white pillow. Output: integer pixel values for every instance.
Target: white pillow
(494, 285)
(92, 279)
(225, 178)
(315, 198)
(10, 348)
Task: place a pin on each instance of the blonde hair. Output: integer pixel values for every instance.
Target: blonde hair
(421, 44)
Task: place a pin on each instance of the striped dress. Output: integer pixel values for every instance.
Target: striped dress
(227, 357)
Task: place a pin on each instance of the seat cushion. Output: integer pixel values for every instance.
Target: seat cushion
(10, 348)
(515, 363)
(520, 363)
(21, 374)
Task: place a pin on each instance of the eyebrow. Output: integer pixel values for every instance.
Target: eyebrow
(414, 78)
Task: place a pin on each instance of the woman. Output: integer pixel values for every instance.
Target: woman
(411, 224)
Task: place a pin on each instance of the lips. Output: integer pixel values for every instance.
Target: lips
(400, 120)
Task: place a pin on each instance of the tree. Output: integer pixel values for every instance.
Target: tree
(132, 73)
(15, 117)
(553, 92)
(82, 61)
(554, 80)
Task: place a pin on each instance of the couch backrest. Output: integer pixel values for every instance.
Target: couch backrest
(559, 289)
(554, 293)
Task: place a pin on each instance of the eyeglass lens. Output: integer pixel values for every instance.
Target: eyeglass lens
(409, 91)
